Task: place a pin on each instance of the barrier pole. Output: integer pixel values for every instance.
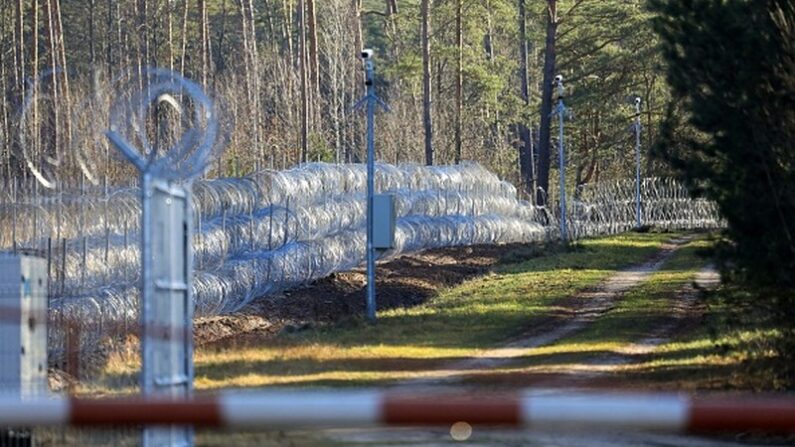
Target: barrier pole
(677, 413)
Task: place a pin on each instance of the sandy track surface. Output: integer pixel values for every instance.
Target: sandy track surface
(582, 309)
(594, 303)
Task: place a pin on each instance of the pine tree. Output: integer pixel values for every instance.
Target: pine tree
(732, 69)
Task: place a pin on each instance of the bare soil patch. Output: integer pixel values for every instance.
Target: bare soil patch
(402, 282)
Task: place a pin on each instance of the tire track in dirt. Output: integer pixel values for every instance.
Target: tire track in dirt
(583, 309)
(589, 373)
(605, 296)
(607, 293)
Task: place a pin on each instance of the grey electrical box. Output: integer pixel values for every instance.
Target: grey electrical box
(23, 325)
(384, 221)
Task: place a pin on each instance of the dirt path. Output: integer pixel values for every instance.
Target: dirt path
(601, 300)
(583, 308)
(594, 371)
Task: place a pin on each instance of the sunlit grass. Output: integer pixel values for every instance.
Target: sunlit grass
(701, 359)
(426, 341)
(648, 304)
(419, 342)
(635, 316)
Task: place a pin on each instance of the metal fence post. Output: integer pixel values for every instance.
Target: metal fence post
(23, 326)
(167, 307)
(166, 252)
(371, 100)
(23, 335)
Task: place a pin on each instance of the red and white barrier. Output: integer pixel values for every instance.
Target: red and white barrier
(533, 409)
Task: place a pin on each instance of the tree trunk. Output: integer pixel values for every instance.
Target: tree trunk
(304, 84)
(184, 38)
(314, 61)
(67, 99)
(357, 34)
(246, 52)
(109, 40)
(14, 165)
(249, 103)
(170, 30)
(586, 169)
(271, 9)
(34, 69)
(20, 72)
(426, 80)
(488, 42)
(546, 104)
(54, 142)
(205, 42)
(92, 56)
(5, 169)
(287, 28)
(488, 47)
(137, 29)
(390, 27)
(648, 131)
(358, 85)
(526, 166)
(254, 54)
(143, 34)
(459, 82)
(122, 39)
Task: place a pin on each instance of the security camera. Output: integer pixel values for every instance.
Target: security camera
(558, 79)
(637, 100)
(367, 53)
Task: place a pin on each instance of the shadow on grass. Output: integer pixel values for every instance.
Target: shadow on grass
(531, 367)
(585, 256)
(669, 378)
(682, 368)
(476, 317)
(305, 366)
(640, 370)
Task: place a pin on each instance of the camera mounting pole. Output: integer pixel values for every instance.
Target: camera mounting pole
(371, 100)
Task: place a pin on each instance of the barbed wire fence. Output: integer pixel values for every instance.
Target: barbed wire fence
(256, 235)
(270, 231)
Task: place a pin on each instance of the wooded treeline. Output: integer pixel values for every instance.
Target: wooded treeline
(731, 68)
(465, 79)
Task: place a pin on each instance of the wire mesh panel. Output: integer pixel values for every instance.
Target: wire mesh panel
(45, 357)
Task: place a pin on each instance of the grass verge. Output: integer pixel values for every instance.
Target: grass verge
(618, 340)
(415, 342)
(733, 347)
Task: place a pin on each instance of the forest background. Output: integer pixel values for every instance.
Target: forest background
(465, 80)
